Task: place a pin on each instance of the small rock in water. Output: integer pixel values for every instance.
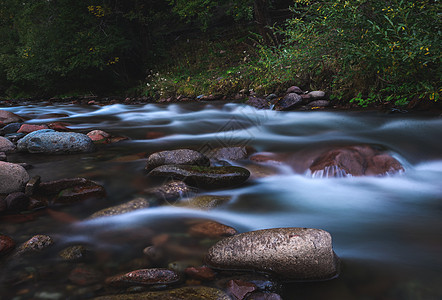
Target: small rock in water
(6, 145)
(171, 191)
(74, 253)
(239, 288)
(36, 244)
(205, 202)
(6, 244)
(184, 293)
(10, 128)
(204, 177)
(13, 178)
(154, 276)
(50, 141)
(83, 275)
(17, 202)
(289, 253)
(154, 254)
(138, 203)
(32, 185)
(200, 273)
(176, 157)
(211, 229)
(99, 136)
(229, 153)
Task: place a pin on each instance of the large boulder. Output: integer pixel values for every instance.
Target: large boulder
(50, 141)
(6, 145)
(176, 157)
(354, 161)
(288, 253)
(13, 178)
(204, 177)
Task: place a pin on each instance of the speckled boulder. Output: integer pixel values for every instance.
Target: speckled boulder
(184, 293)
(50, 141)
(176, 157)
(204, 177)
(144, 277)
(138, 203)
(289, 253)
(13, 178)
(6, 145)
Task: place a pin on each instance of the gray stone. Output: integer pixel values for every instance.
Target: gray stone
(184, 293)
(6, 145)
(289, 102)
(138, 203)
(205, 202)
(229, 153)
(294, 89)
(11, 128)
(144, 277)
(176, 157)
(50, 141)
(319, 103)
(3, 156)
(258, 102)
(7, 117)
(204, 177)
(171, 191)
(17, 202)
(289, 253)
(13, 178)
(316, 95)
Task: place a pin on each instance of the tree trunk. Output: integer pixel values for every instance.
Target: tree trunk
(263, 21)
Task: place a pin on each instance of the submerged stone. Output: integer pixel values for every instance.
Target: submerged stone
(138, 203)
(171, 191)
(288, 253)
(229, 153)
(13, 178)
(211, 229)
(35, 245)
(176, 157)
(205, 202)
(154, 276)
(204, 177)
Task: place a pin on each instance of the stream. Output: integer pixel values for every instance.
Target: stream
(386, 230)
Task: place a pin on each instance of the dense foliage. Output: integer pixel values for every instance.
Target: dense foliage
(363, 51)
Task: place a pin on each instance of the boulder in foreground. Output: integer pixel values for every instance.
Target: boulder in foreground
(288, 253)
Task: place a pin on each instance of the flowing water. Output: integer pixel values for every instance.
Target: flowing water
(386, 230)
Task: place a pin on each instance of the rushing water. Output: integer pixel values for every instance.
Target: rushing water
(386, 230)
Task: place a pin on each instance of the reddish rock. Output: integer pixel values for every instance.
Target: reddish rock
(84, 276)
(200, 273)
(6, 244)
(6, 145)
(239, 288)
(116, 139)
(144, 277)
(28, 128)
(7, 117)
(265, 158)
(79, 193)
(70, 190)
(56, 186)
(211, 229)
(99, 136)
(59, 126)
(355, 161)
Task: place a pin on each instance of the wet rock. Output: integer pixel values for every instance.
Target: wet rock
(176, 157)
(294, 89)
(83, 275)
(79, 193)
(56, 186)
(10, 128)
(13, 178)
(14, 137)
(59, 126)
(32, 185)
(153, 276)
(171, 191)
(50, 141)
(229, 153)
(239, 288)
(180, 265)
(17, 202)
(200, 273)
(6, 244)
(316, 95)
(211, 229)
(99, 136)
(74, 253)
(6, 145)
(35, 245)
(7, 117)
(354, 161)
(204, 177)
(3, 204)
(259, 103)
(205, 202)
(184, 293)
(154, 254)
(28, 128)
(3, 156)
(289, 253)
(319, 103)
(138, 203)
(263, 296)
(52, 116)
(289, 102)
